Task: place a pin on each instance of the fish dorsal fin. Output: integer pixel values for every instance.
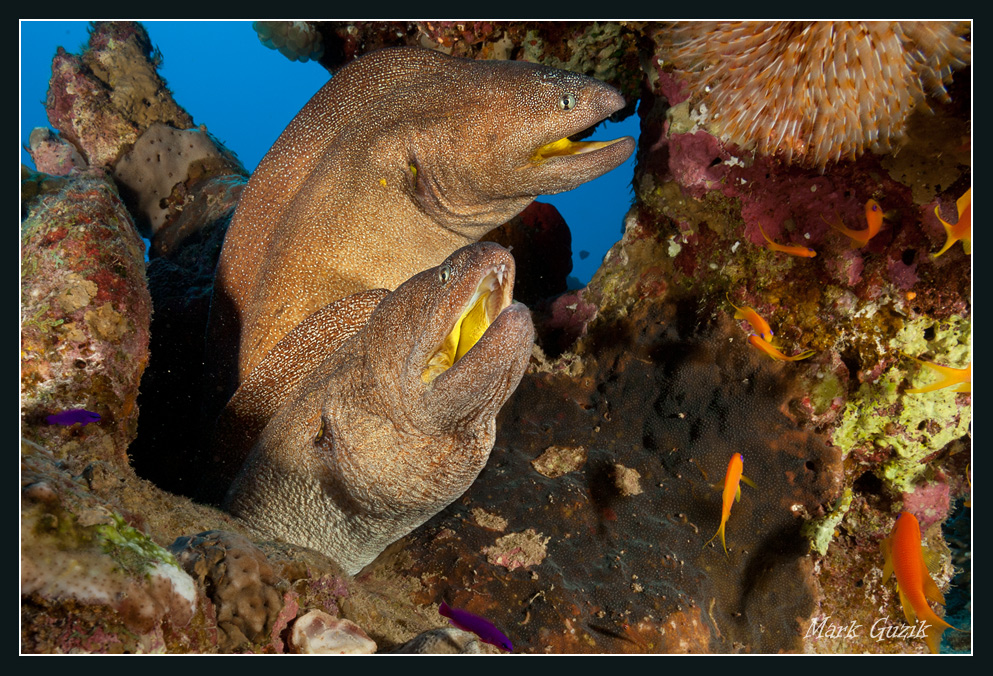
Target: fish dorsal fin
(931, 591)
(933, 563)
(748, 481)
(930, 565)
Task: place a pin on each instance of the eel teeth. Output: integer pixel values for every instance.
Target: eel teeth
(476, 317)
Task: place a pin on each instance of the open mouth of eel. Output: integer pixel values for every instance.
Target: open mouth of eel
(566, 146)
(492, 295)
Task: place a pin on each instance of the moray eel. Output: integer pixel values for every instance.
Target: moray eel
(394, 425)
(267, 388)
(404, 156)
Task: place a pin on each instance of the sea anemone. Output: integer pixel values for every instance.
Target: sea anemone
(814, 91)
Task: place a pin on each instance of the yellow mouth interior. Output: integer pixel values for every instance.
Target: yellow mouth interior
(566, 147)
(469, 328)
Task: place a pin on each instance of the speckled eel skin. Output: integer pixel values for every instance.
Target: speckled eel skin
(404, 156)
(396, 423)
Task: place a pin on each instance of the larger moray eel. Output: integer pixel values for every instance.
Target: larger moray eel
(395, 424)
(404, 156)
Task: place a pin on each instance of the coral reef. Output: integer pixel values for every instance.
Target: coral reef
(246, 593)
(816, 91)
(605, 50)
(585, 531)
(127, 593)
(52, 154)
(296, 40)
(102, 101)
(84, 314)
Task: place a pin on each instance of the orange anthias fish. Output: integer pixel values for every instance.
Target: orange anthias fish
(873, 219)
(791, 250)
(753, 318)
(732, 493)
(770, 350)
(902, 555)
(950, 376)
(962, 230)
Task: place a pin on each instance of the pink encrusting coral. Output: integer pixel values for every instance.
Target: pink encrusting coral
(815, 91)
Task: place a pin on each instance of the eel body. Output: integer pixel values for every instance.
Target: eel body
(393, 425)
(404, 156)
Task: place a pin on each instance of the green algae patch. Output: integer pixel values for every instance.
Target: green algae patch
(823, 391)
(948, 340)
(132, 550)
(820, 531)
(883, 416)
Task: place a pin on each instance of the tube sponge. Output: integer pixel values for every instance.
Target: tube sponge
(159, 159)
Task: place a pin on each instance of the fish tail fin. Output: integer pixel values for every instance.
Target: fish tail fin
(720, 531)
(858, 237)
(714, 536)
(934, 629)
(948, 245)
(949, 236)
(737, 312)
(803, 355)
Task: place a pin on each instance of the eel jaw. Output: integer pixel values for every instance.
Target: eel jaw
(492, 295)
(565, 147)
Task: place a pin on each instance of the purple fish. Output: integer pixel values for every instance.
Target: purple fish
(484, 629)
(73, 416)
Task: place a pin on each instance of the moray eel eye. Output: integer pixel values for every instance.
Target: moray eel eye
(444, 273)
(567, 102)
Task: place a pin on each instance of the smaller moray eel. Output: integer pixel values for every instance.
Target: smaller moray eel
(394, 425)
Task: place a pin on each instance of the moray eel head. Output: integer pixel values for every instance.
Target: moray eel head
(464, 341)
(574, 105)
(489, 136)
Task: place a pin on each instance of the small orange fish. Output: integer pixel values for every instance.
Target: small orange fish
(791, 250)
(753, 318)
(962, 378)
(732, 493)
(962, 230)
(767, 347)
(873, 219)
(902, 555)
